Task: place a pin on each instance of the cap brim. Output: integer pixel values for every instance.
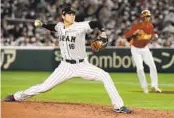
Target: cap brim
(70, 12)
(146, 16)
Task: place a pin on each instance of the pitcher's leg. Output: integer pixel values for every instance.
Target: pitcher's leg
(140, 69)
(59, 75)
(90, 72)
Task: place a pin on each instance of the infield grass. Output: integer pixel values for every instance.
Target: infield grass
(82, 91)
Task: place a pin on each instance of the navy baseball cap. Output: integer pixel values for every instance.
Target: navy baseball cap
(68, 10)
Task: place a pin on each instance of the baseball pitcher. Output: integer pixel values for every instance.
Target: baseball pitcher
(74, 59)
(139, 36)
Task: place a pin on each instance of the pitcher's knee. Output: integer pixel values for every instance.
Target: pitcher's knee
(105, 76)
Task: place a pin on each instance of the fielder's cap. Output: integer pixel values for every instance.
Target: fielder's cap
(68, 10)
(145, 13)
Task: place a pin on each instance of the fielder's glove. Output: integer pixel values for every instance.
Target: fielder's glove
(38, 23)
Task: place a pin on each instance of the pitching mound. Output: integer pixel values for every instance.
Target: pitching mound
(69, 110)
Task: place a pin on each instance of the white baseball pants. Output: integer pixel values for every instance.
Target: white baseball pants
(143, 54)
(66, 71)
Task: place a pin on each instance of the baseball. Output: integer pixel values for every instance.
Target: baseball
(37, 23)
(156, 35)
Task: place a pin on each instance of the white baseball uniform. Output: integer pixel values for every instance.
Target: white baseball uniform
(143, 54)
(73, 50)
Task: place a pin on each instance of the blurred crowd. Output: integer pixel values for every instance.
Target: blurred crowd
(17, 18)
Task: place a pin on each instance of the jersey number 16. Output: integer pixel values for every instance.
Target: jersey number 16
(71, 46)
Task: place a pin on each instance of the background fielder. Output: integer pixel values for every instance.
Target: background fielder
(74, 60)
(140, 35)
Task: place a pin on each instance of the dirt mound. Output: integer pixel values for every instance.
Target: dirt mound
(72, 110)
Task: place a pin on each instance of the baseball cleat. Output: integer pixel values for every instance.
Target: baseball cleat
(156, 89)
(145, 91)
(9, 98)
(123, 110)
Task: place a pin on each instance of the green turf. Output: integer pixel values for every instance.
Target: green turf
(83, 91)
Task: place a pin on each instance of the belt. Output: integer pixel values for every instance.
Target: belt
(73, 61)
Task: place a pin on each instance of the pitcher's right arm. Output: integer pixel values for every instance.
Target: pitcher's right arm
(50, 27)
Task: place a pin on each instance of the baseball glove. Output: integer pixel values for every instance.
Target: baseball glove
(141, 35)
(99, 44)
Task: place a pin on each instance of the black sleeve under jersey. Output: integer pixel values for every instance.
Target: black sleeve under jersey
(96, 24)
(50, 27)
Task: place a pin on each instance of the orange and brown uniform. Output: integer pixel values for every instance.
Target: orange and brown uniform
(136, 41)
